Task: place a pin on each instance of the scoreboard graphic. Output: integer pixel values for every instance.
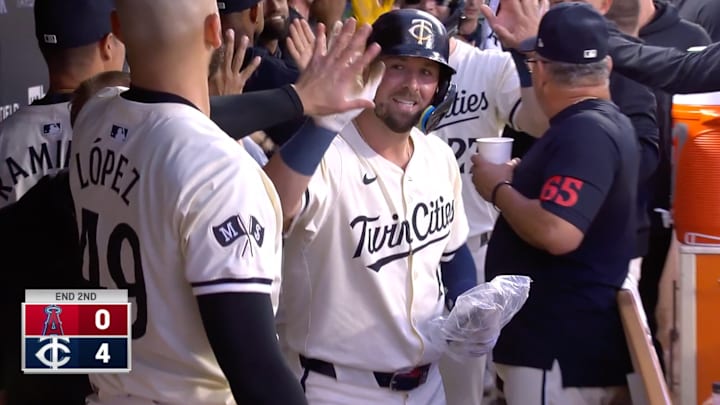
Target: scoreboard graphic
(76, 332)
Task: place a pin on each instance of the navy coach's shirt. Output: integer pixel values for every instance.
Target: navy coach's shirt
(584, 170)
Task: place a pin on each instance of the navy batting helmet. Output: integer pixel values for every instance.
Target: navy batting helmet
(416, 33)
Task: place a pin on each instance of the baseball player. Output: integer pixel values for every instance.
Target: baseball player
(75, 40)
(173, 210)
(493, 90)
(377, 235)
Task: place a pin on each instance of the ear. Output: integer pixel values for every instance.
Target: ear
(106, 46)
(255, 13)
(213, 31)
(609, 61)
(605, 6)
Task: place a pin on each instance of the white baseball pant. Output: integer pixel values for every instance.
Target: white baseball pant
(533, 386)
(464, 381)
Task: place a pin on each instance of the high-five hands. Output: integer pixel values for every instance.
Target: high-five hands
(301, 43)
(333, 88)
(516, 21)
(230, 78)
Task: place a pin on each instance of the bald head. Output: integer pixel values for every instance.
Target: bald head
(169, 43)
(163, 21)
(165, 27)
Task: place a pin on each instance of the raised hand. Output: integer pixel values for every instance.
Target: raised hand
(301, 43)
(229, 79)
(333, 81)
(516, 21)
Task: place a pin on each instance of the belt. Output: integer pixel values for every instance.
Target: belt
(397, 381)
(485, 238)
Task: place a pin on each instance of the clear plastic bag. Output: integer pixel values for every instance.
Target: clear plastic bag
(473, 326)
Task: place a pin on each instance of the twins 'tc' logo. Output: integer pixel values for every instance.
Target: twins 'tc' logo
(59, 351)
(422, 31)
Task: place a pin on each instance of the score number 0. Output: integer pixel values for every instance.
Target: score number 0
(102, 322)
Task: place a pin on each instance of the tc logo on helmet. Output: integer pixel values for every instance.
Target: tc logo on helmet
(422, 31)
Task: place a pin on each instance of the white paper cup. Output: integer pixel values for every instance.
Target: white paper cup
(495, 150)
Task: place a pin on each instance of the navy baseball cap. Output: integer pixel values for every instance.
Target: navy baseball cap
(570, 33)
(72, 23)
(235, 6)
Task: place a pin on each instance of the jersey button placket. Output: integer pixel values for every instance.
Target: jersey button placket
(408, 203)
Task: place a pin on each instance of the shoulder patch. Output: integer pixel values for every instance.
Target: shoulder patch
(51, 129)
(229, 231)
(258, 231)
(119, 133)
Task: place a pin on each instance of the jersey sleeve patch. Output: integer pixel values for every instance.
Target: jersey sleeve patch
(233, 229)
(229, 231)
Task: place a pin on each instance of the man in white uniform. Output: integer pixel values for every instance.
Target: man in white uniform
(75, 40)
(489, 97)
(173, 210)
(378, 236)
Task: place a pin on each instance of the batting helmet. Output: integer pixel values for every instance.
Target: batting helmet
(416, 33)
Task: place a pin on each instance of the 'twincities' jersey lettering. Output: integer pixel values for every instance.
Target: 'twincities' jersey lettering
(426, 225)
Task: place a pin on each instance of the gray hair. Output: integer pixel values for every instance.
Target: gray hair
(579, 75)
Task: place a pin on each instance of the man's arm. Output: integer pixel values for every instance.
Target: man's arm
(262, 377)
(331, 81)
(536, 226)
(661, 68)
(667, 68)
(241, 115)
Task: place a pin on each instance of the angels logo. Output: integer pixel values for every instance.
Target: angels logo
(53, 324)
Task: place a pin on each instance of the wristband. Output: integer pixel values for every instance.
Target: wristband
(493, 195)
(304, 151)
(522, 68)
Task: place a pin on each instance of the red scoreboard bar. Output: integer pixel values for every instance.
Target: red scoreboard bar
(76, 331)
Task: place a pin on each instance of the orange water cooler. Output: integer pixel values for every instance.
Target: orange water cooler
(696, 215)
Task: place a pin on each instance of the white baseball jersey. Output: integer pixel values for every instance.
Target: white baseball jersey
(361, 274)
(34, 142)
(488, 94)
(170, 207)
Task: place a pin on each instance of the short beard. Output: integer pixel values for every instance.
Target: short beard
(216, 60)
(274, 31)
(397, 124)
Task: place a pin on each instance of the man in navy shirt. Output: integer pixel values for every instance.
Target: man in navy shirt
(568, 222)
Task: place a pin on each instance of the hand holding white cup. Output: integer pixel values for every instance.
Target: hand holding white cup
(495, 149)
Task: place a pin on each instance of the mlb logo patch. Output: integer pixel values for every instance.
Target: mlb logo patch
(50, 39)
(54, 128)
(119, 133)
(221, 5)
(229, 231)
(590, 53)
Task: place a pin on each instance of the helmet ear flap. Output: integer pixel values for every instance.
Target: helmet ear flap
(442, 102)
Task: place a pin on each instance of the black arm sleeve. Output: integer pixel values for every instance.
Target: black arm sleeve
(669, 69)
(241, 115)
(241, 330)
